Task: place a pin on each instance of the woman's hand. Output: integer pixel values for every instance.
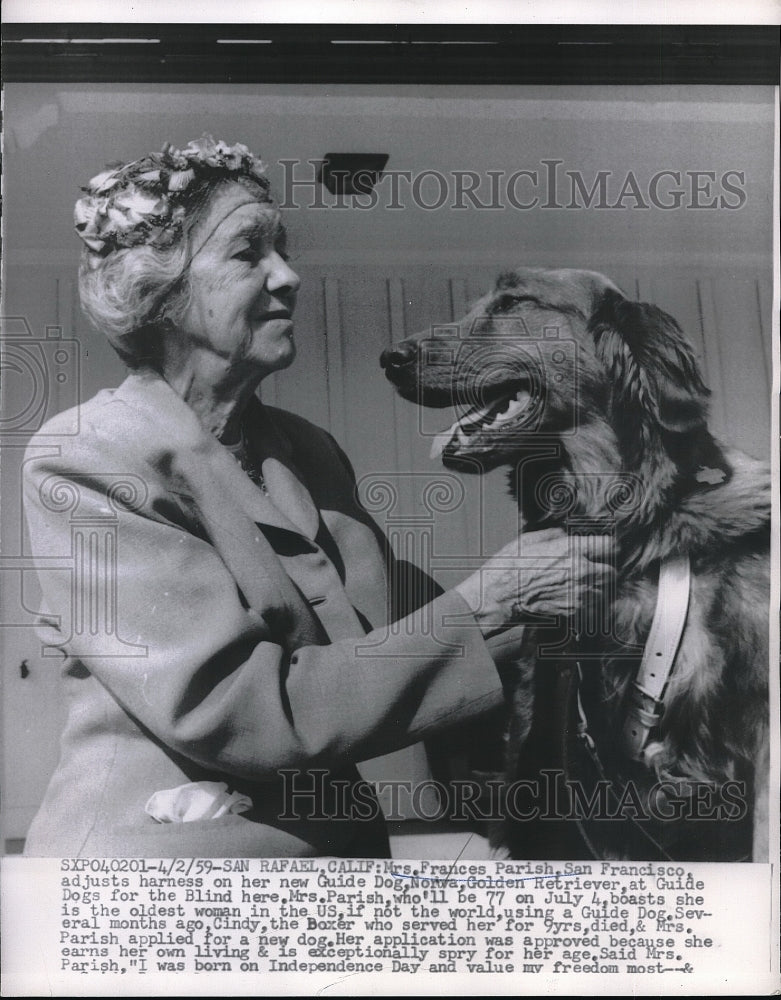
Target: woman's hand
(540, 572)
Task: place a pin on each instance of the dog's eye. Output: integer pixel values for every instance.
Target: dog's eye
(508, 300)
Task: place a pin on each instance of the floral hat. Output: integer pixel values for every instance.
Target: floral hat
(145, 202)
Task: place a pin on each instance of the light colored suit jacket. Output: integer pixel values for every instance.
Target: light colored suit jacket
(212, 632)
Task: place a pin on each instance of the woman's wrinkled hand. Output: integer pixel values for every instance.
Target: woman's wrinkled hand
(541, 572)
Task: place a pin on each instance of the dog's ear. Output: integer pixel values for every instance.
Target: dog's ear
(651, 364)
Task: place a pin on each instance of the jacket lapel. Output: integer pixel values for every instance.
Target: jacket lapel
(204, 474)
(184, 433)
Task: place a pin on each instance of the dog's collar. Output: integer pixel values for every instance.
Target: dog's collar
(646, 694)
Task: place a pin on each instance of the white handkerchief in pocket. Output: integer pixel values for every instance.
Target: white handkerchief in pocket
(196, 800)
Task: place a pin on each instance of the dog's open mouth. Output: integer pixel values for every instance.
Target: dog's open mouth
(480, 421)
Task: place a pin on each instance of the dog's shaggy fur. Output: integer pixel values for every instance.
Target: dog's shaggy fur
(612, 390)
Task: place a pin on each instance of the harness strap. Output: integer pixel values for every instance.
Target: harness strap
(587, 741)
(646, 694)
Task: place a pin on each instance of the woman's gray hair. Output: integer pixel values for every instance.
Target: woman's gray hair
(130, 293)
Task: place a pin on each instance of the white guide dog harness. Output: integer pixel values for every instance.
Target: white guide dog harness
(646, 696)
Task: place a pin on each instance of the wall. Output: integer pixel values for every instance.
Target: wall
(371, 277)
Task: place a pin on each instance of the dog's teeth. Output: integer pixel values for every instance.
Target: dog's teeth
(513, 409)
(476, 419)
(516, 405)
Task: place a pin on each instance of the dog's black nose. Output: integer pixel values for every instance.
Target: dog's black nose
(399, 356)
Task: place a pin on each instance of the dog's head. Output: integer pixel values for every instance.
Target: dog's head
(547, 352)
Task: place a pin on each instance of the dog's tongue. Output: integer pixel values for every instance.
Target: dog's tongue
(499, 412)
(443, 439)
(457, 429)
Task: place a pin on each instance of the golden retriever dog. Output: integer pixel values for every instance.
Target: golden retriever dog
(596, 405)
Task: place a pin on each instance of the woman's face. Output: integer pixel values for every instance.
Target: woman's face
(242, 291)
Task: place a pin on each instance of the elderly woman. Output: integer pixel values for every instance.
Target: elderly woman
(227, 660)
